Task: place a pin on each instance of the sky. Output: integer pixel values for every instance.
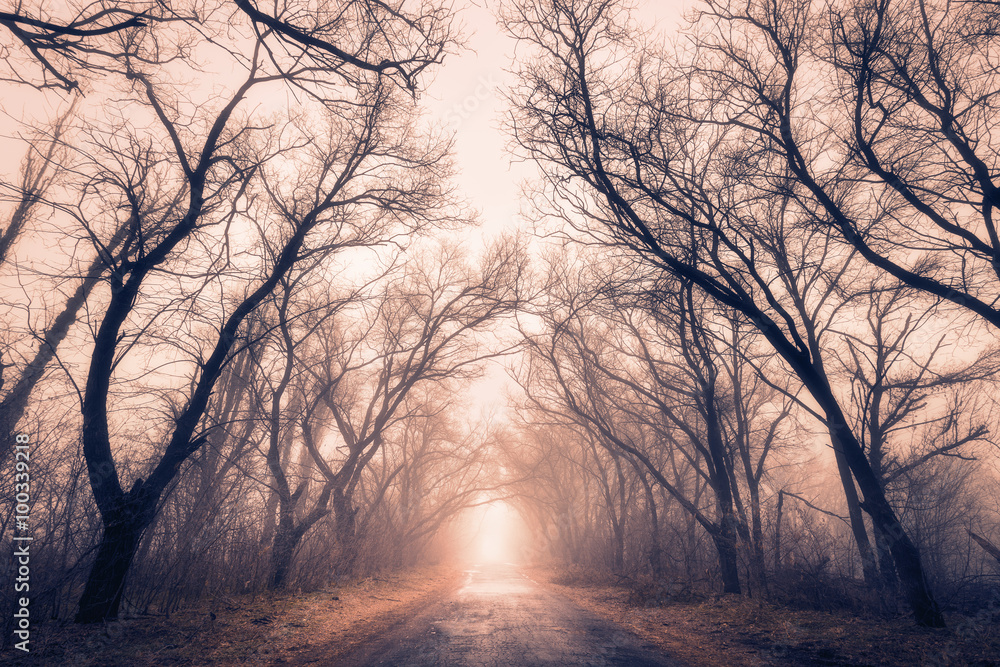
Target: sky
(466, 96)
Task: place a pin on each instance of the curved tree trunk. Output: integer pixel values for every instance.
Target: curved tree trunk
(905, 553)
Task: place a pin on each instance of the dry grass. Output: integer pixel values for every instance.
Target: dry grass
(737, 632)
(265, 630)
(314, 628)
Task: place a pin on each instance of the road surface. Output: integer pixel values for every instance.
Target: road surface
(500, 618)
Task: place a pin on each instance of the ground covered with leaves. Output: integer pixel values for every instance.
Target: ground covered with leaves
(315, 628)
(285, 629)
(732, 631)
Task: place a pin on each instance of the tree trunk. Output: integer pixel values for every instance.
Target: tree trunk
(757, 566)
(289, 534)
(270, 520)
(888, 581)
(868, 565)
(907, 559)
(987, 546)
(725, 544)
(718, 471)
(655, 547)
(286, 541)
(905, 553)
(123, 531)
(345, 520)
(777, 533)
(619, 539)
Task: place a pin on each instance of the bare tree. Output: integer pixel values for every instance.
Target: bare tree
(389, 41)
(673, 392)
(432, 468)
(426, 328)
(633, 160)
(903, 125)
(295, 402)
(74, 41)
(892, 383)
(547, 487)
(357, 184)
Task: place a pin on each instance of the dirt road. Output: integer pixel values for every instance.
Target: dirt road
(500, 618)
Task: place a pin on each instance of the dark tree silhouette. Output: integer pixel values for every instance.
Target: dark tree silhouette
(67, 48)
(905, 125)
(633, 159)
(658, 373)
(357, 183)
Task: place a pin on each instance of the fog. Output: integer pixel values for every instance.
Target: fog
(689, 299)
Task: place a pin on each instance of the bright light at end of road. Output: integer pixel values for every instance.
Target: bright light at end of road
(497, 534)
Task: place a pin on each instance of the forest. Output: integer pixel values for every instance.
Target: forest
(741, 339)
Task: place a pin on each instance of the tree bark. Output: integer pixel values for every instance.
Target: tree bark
(123, 530)
(286, 541)
(868, 565)
(777, 532)
(725, 544)
(345, 516)
(655, 546)
(904, 552)
(726, 540)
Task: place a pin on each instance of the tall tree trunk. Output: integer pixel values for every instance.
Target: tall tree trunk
(905, 553)
(777, 532)
(123, 531)
(888, 581)
(755, 545)
(345, 518)
(286, 541)
(655, 546)
(857, 519)
(726, 539)
(725, 545)
(619, 542)
(270, 520)
(876, 453)
(289, 534)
